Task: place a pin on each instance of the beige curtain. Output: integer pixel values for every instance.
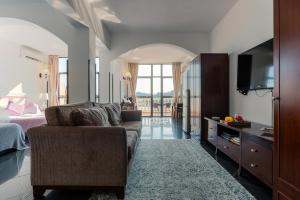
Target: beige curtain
(133, 69)
(53, 80)
(176, 81)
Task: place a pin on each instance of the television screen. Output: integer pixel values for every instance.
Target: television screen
(256, 69)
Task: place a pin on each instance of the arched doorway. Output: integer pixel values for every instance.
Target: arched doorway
(25, 51)
(155, 78)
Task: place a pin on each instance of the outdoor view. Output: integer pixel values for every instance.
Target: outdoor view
(63, 80)
(154, 90)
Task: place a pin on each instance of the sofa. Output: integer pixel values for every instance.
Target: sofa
(65, 155)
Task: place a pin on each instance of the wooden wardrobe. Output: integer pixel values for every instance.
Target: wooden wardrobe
(287, 100)
(207, 80)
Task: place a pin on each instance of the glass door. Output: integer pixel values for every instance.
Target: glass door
(167, 89)
(154, 90)
(144, 90)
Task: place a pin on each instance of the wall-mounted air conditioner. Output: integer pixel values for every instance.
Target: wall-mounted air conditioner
(32, 54)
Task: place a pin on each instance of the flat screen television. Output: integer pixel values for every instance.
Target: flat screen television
(256, 69)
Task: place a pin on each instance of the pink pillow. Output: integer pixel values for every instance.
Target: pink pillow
(15, 108)
(30, 108)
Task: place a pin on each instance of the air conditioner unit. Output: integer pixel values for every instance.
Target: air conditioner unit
(33, 54)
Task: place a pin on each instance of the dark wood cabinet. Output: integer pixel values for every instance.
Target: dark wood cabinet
(257, 157)
(253, 150)
(287, 98)
(206, 79)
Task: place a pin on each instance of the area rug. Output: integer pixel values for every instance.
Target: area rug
(178, 169)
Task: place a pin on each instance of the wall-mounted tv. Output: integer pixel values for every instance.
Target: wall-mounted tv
(256, 69)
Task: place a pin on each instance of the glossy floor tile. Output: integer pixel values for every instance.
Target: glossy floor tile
(162, 128)
(15, 166)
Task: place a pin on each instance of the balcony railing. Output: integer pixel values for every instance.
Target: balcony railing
(144, 104)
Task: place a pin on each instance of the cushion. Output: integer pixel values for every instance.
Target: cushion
(51, 116)
(31, 108)
(114, 113)
(131, 143)
(4, 103)
(16, 108)
(64, 112)
(89, 117)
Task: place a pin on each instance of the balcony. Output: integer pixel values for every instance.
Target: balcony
(144, 104)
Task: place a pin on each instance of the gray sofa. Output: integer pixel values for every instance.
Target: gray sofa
(65, 156)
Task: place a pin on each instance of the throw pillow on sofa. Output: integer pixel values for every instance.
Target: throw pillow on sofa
(114, 113)
(90, 117)
(63, 113)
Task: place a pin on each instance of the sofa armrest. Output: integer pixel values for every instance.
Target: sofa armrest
(131, 115)
(78, 156)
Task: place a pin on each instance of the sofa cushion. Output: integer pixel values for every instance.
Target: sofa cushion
(51, 116)
(60, 115)
(89, 117)
(114, 113)
(133, 126)
(131, 143)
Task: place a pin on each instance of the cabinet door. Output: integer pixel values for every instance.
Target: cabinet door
(212, 132)
(287, 108)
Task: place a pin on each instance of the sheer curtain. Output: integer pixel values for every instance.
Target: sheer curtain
(53, 80)
(133, 68)
(176, 81)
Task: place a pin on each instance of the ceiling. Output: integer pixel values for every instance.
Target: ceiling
(29, 34)
(161, 15)
(158, 53)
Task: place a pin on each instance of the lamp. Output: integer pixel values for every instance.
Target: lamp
(127, 78)
(44, 74)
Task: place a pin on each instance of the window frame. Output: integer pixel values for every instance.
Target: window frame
(97, 74)
(162, 77)
(59, 96)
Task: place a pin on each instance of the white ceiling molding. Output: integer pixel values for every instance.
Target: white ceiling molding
(82, 12)
(86, 13)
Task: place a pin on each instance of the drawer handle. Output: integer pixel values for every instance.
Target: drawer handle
(253, 165)
(211, 128)
(225, 147)
(253, 150)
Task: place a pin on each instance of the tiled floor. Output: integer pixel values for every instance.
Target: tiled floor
(162, 128)
(15, 167)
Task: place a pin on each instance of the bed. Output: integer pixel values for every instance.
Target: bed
(12, 136)
(29, 116)
(26, 121)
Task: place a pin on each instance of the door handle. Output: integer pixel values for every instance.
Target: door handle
(253, 165)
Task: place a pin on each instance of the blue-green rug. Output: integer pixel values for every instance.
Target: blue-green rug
(178, 169)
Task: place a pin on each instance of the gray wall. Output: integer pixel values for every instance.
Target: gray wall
(74, 35)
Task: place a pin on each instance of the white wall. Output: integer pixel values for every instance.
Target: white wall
(123, 42)
(118, 68)
(19, 76)
(246, 25)
(75, 35)
(92, 66)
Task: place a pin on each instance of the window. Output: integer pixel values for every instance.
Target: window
(154, 90)
(97, 76)
(63, 80)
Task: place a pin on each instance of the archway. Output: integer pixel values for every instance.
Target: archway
(155, 85)
(24, 49)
